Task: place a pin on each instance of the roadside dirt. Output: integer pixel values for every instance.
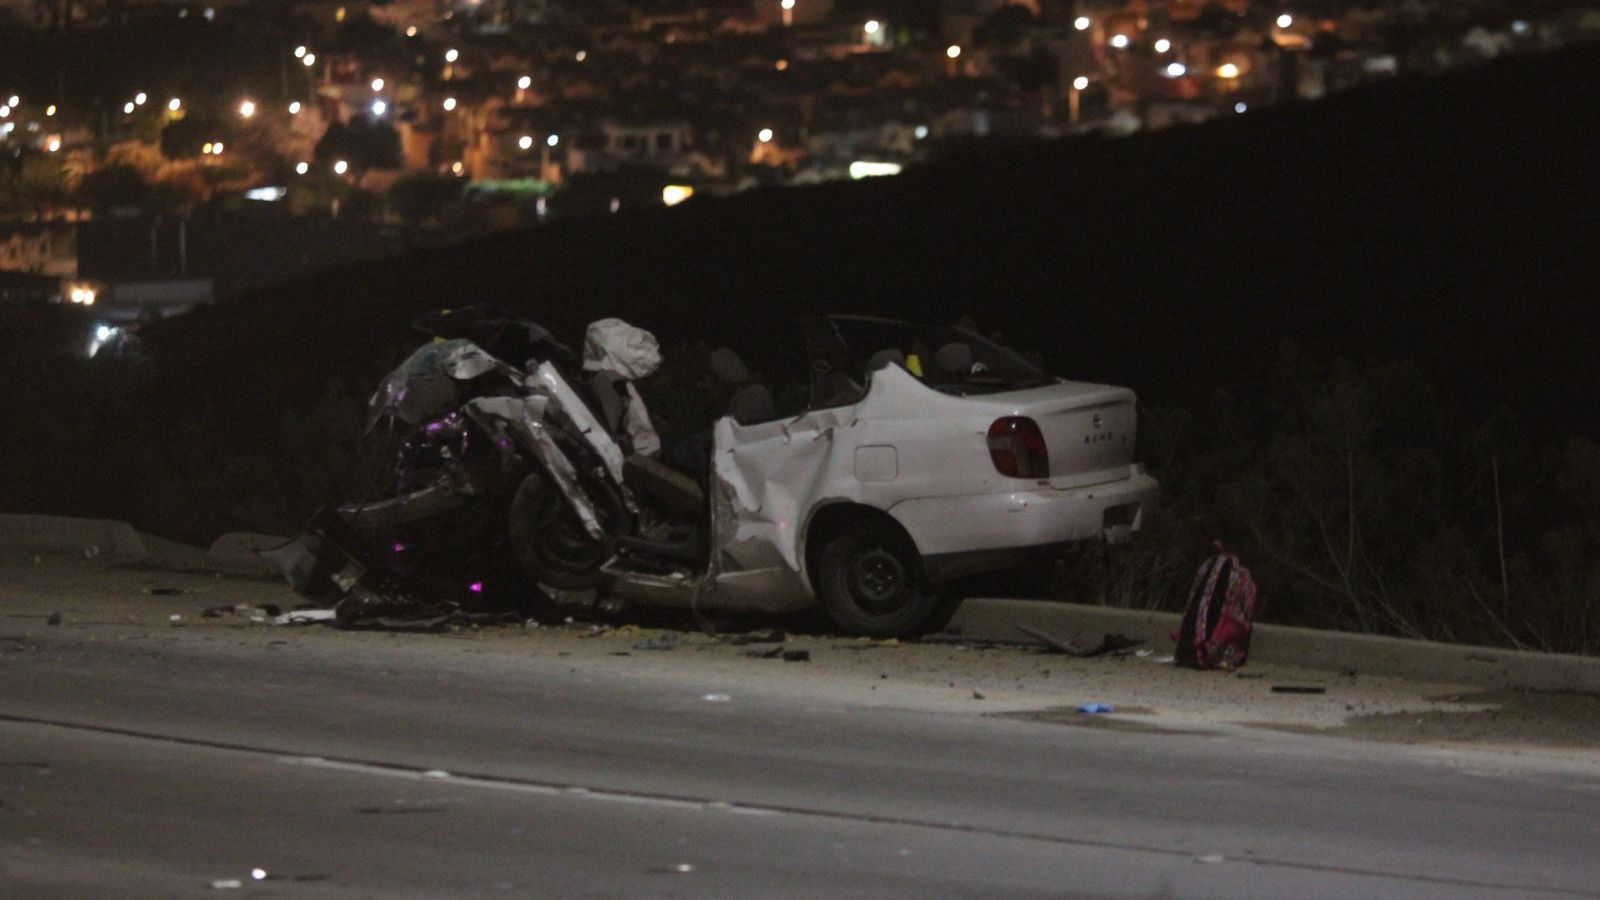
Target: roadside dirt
(1145, 692)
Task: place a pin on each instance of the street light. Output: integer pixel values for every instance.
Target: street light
(138, 99)
(310, 60)
(451, 55)
(411, 31)
(127, 108)
(525, 142)
(1228, 71)
(341, 167)
(953, 51)
(524, 83)
(379, 108)
(1119, 41)
(449, 104)
(50, 110)
(1176, 70)
(302, 168)
(872, 27)
(788, 12)
(1081, 23)
(216, 148)
(174, 104)
(581, 55)
(765, 136)
(294, 108)
(1285, 20)
(4, 111)
(552, 140)
(1080, 83)
(300, 52)
(377, 84)
(247, 108)
(17, 101)
(1162, 45)
(53, 145)
(1075, 98)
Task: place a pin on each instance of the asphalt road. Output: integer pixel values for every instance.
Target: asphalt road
(139, 760)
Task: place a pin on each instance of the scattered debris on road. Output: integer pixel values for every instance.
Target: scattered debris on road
(1109, 644)
(1299, 689)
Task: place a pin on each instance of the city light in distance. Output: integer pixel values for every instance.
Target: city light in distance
(216, 149)
(524, 83)
(127, 108)
(174, 104)
(673, 194)
(872, 26)
(1228, 71)
(300, 52)
(1119, 41)
(921, 132)
(525, 141)
(301, 168)
(456, 168)
(310, 60)
(953, 51)
(379, 107)
(53, 145)
(1081, 23)
(411, 31)
(1176, 70)
(341, 167)
(1241, 107)
(862, 169)
(581, 55)
(1285, 20)
(139, 99)
(294, 108)
(377, 84)
(765, 136)
(205, 149)
(781, 65)
(50, 110)
(4, 111)
(1162, 45)
(14, 100)
(247, 108)
(552, 140)
(786, 4)
(449, 104)
(1079, 83)
(452, 55)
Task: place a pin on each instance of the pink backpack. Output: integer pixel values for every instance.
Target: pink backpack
(1215, 633)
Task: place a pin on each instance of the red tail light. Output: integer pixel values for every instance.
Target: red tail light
(1017, 448)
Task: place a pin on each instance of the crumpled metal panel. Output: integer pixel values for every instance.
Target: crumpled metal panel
(524, 418)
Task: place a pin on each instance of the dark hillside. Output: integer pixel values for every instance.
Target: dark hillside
(1451, 222)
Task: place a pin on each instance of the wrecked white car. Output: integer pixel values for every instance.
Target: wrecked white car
(924, 454)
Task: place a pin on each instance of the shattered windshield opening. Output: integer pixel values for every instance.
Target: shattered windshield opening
(845, 350)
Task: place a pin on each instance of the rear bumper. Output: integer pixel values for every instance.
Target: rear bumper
(999, 526)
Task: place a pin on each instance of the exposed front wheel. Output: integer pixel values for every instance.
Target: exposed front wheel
(870, 581)
(550, 540)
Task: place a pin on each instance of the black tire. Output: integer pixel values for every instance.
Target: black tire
(549, 539)
(870, 581)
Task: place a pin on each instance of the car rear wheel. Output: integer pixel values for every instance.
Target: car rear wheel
(870, 581)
